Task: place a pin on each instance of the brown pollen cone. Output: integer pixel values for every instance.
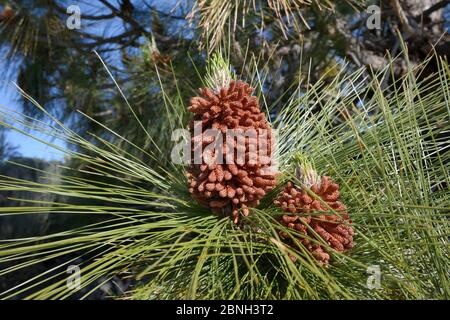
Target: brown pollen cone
(227, 185)
(7, 13)
(334, 229)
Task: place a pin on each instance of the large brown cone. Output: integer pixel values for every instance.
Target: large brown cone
(229, 187)
(332, 228)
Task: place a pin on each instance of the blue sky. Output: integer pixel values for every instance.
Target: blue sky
(27, 146)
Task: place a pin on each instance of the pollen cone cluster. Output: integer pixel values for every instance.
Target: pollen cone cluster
(219, 180)
(304, 214)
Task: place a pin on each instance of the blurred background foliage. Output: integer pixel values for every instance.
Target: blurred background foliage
(294, 42)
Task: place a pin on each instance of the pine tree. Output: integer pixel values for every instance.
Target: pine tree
(361, 178)
(390, 165)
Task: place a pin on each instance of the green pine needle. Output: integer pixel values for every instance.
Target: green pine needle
(385, 147)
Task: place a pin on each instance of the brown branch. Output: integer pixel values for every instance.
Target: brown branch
(126, 17)
(63, 11)
(433, 8)
(402, 17)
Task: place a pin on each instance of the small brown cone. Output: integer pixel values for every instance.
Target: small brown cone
(334, 229)
(7, 14)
